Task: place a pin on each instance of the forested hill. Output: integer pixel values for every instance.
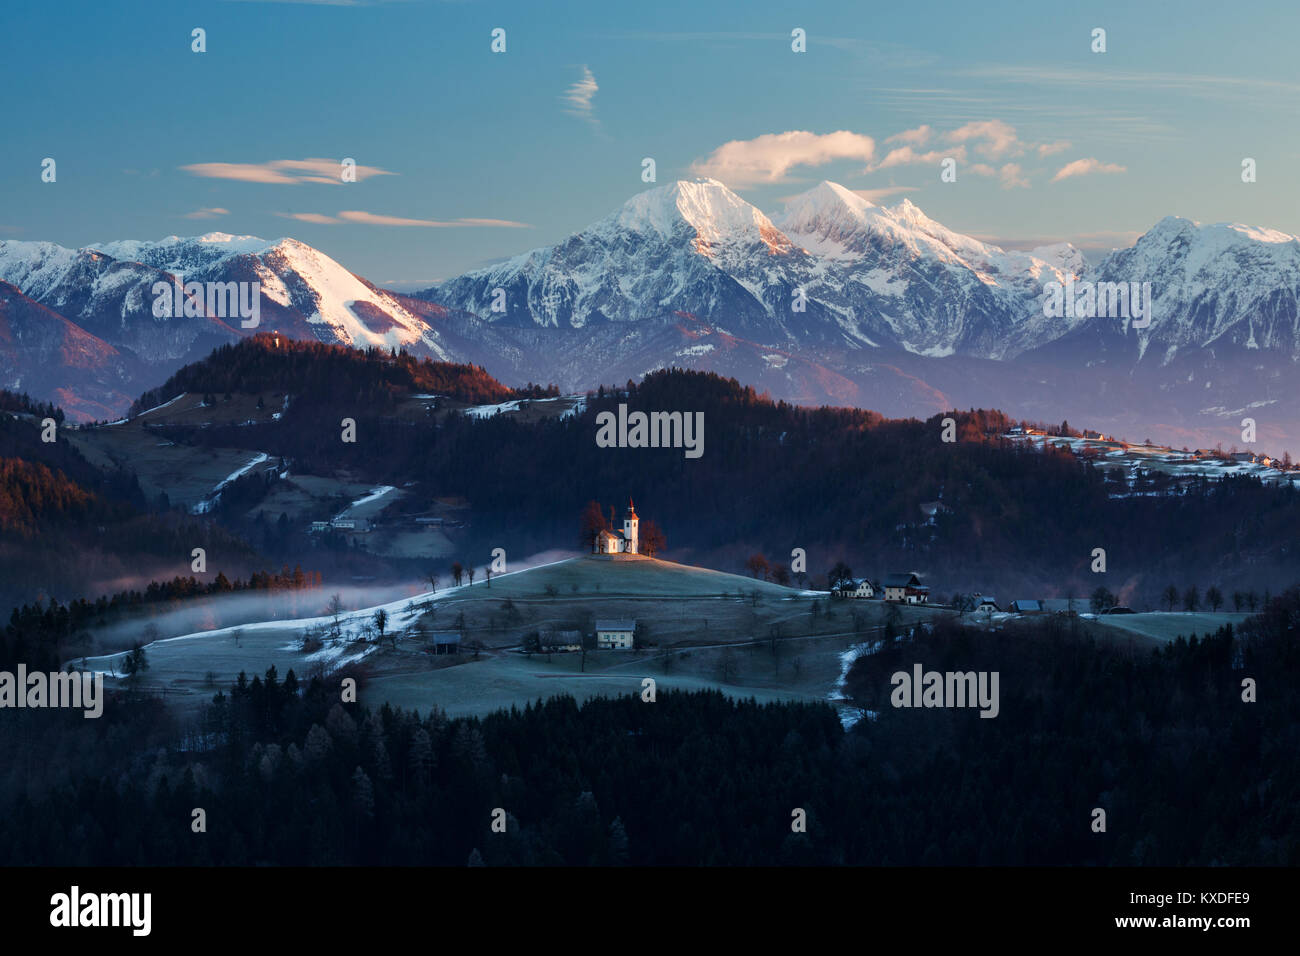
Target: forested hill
(840, 483)
(373, 378)
(65, 521)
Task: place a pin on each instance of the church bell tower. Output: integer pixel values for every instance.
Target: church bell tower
(630, 524)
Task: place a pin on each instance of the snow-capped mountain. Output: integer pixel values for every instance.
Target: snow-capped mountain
(832, 299)
(299, 284)
(832, 270)
(939, 292)
(110, 298)
(1226, 287)
(690, 245)
(107, 292)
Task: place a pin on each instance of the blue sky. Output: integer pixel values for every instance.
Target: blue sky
(506, 152)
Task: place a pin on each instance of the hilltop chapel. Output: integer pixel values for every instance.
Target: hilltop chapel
(619, 542)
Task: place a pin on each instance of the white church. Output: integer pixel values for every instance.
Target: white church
(620, 542)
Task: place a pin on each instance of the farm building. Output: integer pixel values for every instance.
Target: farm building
(906, 588)
(615, 635)
(446, 642)
(559, 641)
(1026, 607)
(854, 588)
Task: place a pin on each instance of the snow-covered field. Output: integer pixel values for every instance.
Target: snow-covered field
(208, 503)
(401, 613)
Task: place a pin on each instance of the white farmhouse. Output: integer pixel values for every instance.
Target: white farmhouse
(615, 635)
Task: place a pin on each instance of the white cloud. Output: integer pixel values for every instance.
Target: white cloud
(907, 156)
(770, 157)
(1013, 177)
(375, 219)
(1051, 149)
(912, 137)
(315, 217)
(378, 219)
(993, 139)
(1085, 167)
(286, 172)
(211, 212)
(579, 97)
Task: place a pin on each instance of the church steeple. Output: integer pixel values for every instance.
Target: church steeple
(631, 525)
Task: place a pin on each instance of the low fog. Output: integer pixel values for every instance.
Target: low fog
(173, 619)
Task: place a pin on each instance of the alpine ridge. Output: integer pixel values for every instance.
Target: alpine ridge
(831, 299)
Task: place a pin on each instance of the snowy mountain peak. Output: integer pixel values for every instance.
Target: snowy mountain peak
(825, 205)
(703, 207)
(182, 252)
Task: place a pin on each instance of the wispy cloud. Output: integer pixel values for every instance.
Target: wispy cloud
(907, 156)
(912, 137)
(770, 157)
(579, 98)
(314, 217)
(1193, 84)
(993, 139)
(378, 219)
(285, 172)
(212, 212)
(1010, 175)
(1085, 167)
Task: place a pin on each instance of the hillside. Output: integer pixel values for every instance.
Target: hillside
(373, 378)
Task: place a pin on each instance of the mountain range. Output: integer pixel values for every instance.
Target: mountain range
(833, 300)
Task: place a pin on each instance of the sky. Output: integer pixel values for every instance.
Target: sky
(465, 156)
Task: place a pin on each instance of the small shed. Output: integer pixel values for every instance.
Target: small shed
(446, 642)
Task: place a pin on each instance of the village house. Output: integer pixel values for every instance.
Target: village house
(620, 542)
(906, 588)
(1026, 607)
(354, 525)
(561, 641)
(615, 634)
(985, 605)
(854, 588)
